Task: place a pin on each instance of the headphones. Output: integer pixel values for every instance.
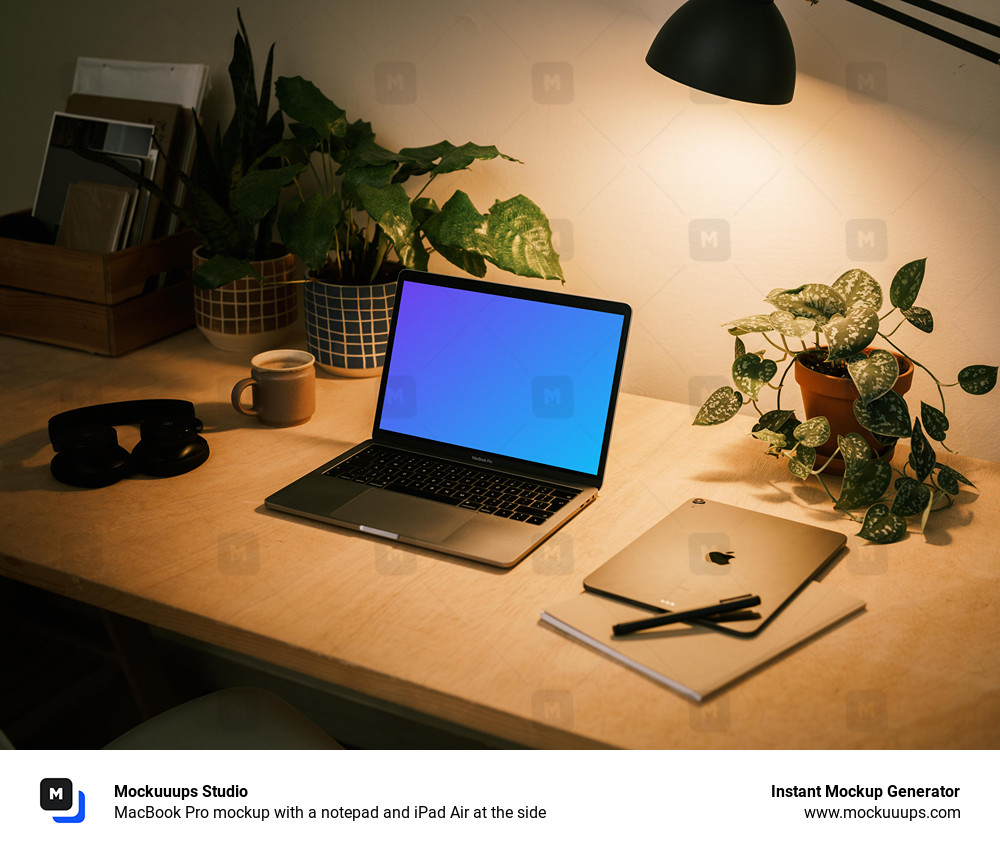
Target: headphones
(87, 450)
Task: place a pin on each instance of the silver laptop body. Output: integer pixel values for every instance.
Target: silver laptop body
(508, 387)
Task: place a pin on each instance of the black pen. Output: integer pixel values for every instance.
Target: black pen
(735, 604)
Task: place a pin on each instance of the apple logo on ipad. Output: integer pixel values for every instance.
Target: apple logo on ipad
(720, 558)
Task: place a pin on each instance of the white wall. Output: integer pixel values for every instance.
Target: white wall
(689, 207)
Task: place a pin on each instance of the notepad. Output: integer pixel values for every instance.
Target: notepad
(697, 660)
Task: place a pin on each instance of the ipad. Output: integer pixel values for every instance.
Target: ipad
(705, 552)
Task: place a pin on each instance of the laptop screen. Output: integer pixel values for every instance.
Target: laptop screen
(504, 371)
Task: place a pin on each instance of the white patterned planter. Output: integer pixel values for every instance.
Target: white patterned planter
(249, 315)
(347, 327)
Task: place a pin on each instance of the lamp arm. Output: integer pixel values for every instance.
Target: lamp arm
(934, 31)
(955, 15)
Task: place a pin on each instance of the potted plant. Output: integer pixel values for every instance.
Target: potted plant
(244, 297)
(357, 225)
(869, 382)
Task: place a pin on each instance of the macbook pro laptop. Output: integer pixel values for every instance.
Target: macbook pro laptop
(706, 552)
(492, 423)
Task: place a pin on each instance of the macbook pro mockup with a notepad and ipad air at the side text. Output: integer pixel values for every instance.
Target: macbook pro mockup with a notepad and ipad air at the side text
(492, 424)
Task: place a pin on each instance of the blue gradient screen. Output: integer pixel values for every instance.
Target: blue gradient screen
(502, 375)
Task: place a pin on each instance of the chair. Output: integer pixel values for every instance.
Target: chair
(241, 718)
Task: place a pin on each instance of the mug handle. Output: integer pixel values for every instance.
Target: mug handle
(238, 392)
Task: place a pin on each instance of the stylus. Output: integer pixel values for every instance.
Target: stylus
(736, 604)
(733, 616)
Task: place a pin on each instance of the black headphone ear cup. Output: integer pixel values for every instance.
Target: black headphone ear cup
(89, 456)
(169, 447)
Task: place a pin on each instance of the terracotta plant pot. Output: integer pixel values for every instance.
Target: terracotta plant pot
(347, 327)
(833, 397)
(249, 315)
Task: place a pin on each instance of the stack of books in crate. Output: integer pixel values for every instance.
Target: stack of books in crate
(98, 264)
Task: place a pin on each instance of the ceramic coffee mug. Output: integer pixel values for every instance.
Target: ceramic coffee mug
(283, 385)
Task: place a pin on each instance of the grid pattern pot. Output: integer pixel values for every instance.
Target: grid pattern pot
(347, 327)
(249, 315)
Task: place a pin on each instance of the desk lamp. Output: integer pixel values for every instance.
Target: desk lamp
(741, 49)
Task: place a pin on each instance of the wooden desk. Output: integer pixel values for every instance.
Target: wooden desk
(199, 555)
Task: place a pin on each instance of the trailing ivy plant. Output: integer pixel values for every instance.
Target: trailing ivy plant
(830, 328)
(357, 207)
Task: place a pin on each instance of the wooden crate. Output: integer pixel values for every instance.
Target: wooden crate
(95, 302)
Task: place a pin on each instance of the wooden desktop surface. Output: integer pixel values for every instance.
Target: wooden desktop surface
(200, 555)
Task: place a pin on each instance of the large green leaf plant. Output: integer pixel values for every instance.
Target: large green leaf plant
(356, 210)
(842, 321)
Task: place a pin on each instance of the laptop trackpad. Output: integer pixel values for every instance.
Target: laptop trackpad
(404, 515)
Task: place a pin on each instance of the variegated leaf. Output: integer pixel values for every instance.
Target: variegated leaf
(948, 479)
(859, 287)
(813, 301)
(882, 526)
(751, 373)
(850, 334)
(887, 416)
(874, 375)
(935, 422)
(926, 515)
(813, 432)
(920, 318)
(775, 438)
(906, 284)
(787, 324)
(922, 457)
(803, 462)
(855, 450)
(978, 380)
(719, 407)
(750, 324)
(773, 419)
(865, 485)
(911, 497)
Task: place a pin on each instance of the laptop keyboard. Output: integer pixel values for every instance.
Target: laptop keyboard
(469, 487)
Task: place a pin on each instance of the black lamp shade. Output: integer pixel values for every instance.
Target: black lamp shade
(738, 49)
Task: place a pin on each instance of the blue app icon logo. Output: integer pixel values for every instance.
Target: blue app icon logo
(56, 795)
